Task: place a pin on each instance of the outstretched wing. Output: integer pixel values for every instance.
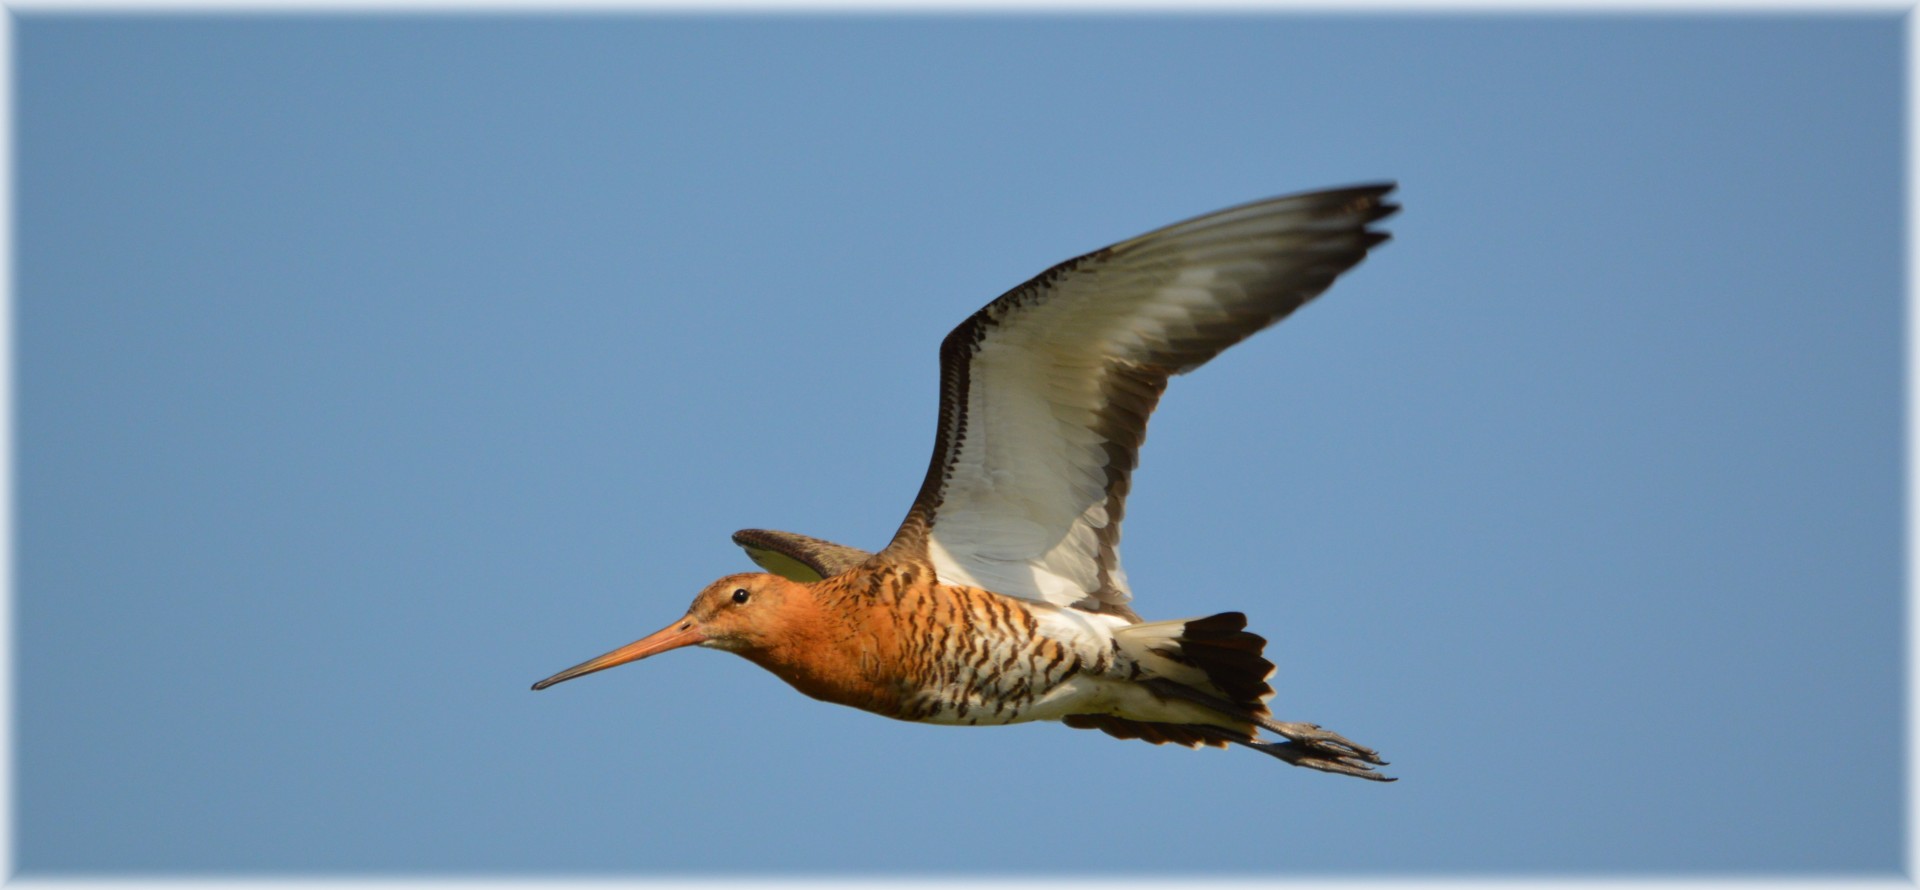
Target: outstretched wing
(797, 557)
(1045, 392)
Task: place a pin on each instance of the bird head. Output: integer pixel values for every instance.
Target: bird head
(739, 613)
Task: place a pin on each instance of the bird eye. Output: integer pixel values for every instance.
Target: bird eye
(740, 595)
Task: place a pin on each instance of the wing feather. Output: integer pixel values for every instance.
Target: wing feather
(1046, 391)
(797, 557)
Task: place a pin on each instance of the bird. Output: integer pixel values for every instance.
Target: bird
(1001, 599)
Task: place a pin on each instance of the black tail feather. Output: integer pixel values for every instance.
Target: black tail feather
(1231, 657)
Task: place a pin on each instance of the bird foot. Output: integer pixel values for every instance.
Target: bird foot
(1299, 755)
(1314, 748)
(1310, 735)
(1308, 746)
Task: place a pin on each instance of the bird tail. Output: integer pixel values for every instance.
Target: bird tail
(1215, 655)
(1212, 662)
(1215, 663)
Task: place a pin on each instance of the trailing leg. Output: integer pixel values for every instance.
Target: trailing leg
(1298, 754)
(1308, 736)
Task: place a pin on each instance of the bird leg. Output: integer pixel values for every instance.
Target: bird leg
(1307, 744)
(1299, 754)
(1310, 735)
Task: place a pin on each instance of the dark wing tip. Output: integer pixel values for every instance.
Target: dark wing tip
(1368, 200)
(1362, 206)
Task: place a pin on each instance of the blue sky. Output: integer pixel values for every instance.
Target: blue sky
(369, 369)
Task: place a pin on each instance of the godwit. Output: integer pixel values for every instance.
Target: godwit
(1001, 598)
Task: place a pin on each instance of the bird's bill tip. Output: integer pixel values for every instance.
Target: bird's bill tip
(680, 633)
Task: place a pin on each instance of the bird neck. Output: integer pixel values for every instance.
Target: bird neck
(832, 649)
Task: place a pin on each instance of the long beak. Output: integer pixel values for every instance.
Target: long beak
(680, 633)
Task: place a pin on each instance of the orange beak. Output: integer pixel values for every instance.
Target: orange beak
(680, 633)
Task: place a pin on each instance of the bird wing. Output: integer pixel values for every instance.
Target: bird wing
(1045, 392)
(797, 557)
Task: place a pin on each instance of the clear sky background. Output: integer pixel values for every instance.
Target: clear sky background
(371, 369)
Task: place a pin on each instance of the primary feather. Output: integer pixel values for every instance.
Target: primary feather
(1045, 392)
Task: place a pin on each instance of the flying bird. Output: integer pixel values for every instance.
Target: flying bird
(1001, 598)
